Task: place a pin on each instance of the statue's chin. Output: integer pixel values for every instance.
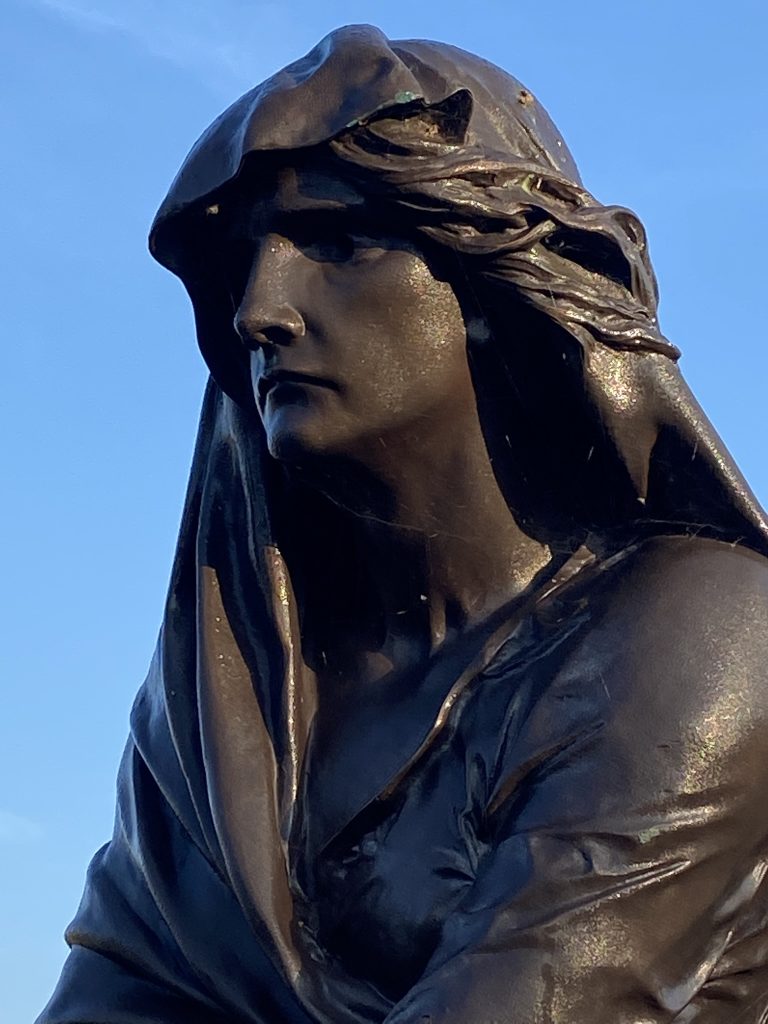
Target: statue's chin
(298, 439)
(291, 446)
(304, 431)
(294, 428)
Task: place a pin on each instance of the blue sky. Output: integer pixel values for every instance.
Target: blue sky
(663, 104)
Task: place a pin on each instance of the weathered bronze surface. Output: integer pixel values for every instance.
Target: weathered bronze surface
(459, 710)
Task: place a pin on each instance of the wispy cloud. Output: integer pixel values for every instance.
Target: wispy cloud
(83, 15)
(224, 42)
(16, 829)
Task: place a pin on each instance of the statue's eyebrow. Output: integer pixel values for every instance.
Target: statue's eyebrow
(320, 219)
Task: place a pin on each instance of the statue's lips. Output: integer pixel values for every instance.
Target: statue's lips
(274, 379)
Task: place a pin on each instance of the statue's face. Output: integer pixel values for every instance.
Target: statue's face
(354, 340)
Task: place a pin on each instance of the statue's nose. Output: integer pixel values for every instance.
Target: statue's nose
(267, 314)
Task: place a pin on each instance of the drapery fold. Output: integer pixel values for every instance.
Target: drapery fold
(196, 910)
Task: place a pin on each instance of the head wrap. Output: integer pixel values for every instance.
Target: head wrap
(220, 725)
(499, 187)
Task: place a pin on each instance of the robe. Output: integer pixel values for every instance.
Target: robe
(565, 825)
(573, 831)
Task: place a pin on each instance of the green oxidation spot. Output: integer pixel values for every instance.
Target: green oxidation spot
(648, 834)
(404, 96)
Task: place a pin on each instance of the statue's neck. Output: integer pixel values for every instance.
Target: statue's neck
(437, 538)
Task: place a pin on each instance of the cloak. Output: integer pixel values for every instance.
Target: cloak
(203, 906)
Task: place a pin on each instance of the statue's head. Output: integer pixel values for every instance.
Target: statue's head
(430, 140)
(402, 222)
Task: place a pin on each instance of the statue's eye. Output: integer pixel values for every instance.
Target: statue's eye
(332, 237)
(336, 245)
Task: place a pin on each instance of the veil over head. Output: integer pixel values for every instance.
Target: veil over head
(209, 784)
(493, 181)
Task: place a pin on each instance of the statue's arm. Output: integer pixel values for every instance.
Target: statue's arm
(624, 883)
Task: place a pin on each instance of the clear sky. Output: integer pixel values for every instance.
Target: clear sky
(663, 104)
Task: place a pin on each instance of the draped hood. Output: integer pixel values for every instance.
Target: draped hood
(209, 786)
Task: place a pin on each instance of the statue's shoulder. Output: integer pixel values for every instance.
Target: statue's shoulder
(684, 621)
(694, 575)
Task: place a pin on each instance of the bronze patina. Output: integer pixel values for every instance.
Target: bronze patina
(459, 709)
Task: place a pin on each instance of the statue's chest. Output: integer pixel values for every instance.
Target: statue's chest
(377, 895)
(393, 828)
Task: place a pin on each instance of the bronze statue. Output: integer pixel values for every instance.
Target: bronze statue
(459, 709)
